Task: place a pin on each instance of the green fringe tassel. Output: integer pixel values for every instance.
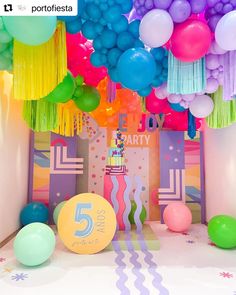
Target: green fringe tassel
(224, 113)
(40, 115)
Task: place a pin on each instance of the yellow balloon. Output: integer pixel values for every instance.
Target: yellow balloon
(87, 224)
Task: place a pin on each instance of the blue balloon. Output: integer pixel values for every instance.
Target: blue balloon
(113, 14)
(125, 41)
(68, 19)
(138, 44)
(121, 25)
(134, 28)
(88, 30)
(158, 53)
(113, 74)
(136, 69)
(113, 56)
(74, 27)
(157, 82)
(145, 92)
(177, 107)
(127, 6)
(108, 38)
(34, 212)
(97, 43)
(93, 11)
(96, 59)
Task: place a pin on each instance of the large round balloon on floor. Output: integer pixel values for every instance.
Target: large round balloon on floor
(191, 40)
(225, 31)
(156, 28)
(222, 231)
(31, 30)
(136, 69)
(34, 244)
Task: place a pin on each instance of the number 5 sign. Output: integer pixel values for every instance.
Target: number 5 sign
(86, 224)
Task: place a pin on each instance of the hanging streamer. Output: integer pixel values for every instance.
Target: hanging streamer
(224, 113)
(39, 69)
(191, 125)
(40, 115)
(229, 64)
(111, 91)
(70, 119)
(186, 77)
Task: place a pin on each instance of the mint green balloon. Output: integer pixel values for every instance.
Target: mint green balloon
(57, 211)
(34, 244)
(31, 30)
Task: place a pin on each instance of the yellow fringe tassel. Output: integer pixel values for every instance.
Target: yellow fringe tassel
(70, 119)
(39, 69)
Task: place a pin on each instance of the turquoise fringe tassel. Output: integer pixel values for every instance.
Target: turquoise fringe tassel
(186, 77)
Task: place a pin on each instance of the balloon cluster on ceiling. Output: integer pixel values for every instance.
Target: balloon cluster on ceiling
(179, 54)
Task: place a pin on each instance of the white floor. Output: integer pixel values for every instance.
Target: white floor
(185, 264)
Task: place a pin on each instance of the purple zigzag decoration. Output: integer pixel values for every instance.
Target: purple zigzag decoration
(138, 201)
(114, 194)
(152, 269)
(123, 278)
(140, 278)
(127, 203)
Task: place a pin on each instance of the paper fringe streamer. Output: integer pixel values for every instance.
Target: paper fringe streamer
(224, 113)
(229, 64)
(186, 77)
(70, 119)
(40, 115)
(39, 69)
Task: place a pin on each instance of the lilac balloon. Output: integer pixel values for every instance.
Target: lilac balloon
(197, 5)
(162, 4)
(180, 10)
(184, 104)
(174, 98)
(215, 73)
(221, 78)
(188, 97)
(149, 4)
(211, 3)
(213, 21)
(208, 73)
(212, 61)
(227, 8)
(216, 48)
(212, 85)
(161, 92)
(218, 7)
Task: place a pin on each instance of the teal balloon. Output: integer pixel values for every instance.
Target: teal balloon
(126, 6)
(34, 212)
(3, 47)
(158, 53)
(113, 56)
(222, 231)
(93, 11)
(5, 63)
(125, 41)
(145, 92)
(113, 14)
(142, 216)
(108, 38)
(57, 211)
(121, 25)
(74, 27)
(64, 91)
(177, 107)
(134, 28)
(34, 244)
(89, 30)
(97, 43)
(113, 74)
(96, 59)
(31, 30)
(136, 69)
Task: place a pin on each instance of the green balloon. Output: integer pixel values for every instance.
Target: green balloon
(64, 91)
(57, 211)
(34, 244)
(78, 92)
(5, 37)
(222, 231)
(79, 80)
(143, 214)
(31, 30)
(89, 100)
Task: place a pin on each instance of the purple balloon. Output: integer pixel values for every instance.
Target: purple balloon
(213, 21)
(227, 8)
(149, 4)
(215, 73)
(216, 49)
(180, 10)
(188, 97)
(218, 7)
(197, 5)
(211, 3)
(212, 61)
(162, 4)
(174, 98)
(212, 85)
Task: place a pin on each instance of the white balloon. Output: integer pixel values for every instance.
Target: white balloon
(225, 33)
(156, 28)
(202, 106)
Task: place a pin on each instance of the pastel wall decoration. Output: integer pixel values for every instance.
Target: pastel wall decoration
(64, 167)
(172, 168)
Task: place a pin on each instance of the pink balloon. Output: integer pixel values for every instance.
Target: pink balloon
(191, 40)
(177, 217)
(174, 98)
(155, 105)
